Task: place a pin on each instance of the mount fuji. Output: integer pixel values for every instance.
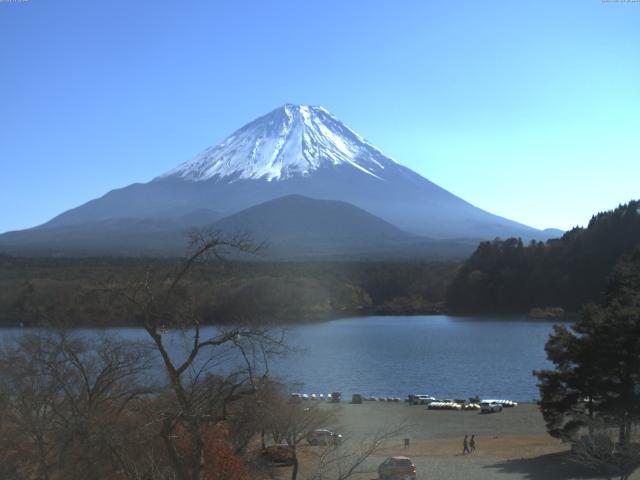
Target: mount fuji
(293, 150)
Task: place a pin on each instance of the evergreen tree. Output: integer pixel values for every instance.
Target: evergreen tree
(505, 276)
(597, 362)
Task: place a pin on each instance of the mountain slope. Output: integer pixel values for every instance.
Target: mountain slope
(290, 141)
(293, 227)
(121, 236)
(293, 150)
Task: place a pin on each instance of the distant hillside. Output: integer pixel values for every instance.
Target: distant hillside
(166, 235)
(293, 227)
(507, 276)
(303, 219)
(297, 227)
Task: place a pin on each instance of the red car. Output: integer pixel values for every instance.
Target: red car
(397, 468)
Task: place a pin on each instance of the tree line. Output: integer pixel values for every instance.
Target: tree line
(507, 276)
(78, 291)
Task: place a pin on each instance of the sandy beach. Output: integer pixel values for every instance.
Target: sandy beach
(510, 445)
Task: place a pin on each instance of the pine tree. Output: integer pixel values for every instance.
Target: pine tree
(597, 362)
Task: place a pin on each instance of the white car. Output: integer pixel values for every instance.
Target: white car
(420, 399)
(490, 407)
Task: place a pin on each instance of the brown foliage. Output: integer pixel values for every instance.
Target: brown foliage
(220, 460)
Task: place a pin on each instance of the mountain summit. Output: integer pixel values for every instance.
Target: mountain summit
(293, 140)
(293, 150)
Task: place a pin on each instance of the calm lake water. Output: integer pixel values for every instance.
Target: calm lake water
(447, 357)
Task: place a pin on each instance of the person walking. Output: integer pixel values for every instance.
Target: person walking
(472, 443)
(465, 445)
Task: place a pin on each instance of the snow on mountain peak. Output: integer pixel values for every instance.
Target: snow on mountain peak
(293, 140)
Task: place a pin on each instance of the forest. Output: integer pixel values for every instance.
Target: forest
(506, 276)
(80, 291)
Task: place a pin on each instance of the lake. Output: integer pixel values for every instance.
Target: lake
(443, 356)
(447, 357)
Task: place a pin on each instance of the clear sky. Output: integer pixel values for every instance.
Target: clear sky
(528, 109)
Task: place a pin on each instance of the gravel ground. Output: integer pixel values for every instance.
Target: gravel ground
(510, 445)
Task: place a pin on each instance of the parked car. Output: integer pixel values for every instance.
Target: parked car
(324, 437)
(356, 398)
(295, 398)
(420, 399)
(397, 468)
(490, 407)
(335, 397)
(281, 454)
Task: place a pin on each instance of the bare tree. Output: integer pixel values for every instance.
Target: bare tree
(290, 421)
(293, 422)
(65, 402)
(199, 397)
(598, 452)
(75, 408)
(345, 460)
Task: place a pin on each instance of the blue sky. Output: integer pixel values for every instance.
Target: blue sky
(530, 109)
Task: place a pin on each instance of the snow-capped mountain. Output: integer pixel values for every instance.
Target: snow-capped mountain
(293, 150)
(294, 140)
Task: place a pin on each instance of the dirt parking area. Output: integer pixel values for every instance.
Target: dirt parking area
(509, 445)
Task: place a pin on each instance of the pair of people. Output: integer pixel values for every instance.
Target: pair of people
(468, 445)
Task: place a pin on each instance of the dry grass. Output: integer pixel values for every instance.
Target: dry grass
(497, 447)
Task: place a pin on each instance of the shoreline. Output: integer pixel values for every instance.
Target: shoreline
(480, 317)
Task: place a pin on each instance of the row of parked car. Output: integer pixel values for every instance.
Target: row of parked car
(333, 397)
(336, 397)
(485, 406)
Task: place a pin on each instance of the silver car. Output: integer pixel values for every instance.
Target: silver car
(420, 399)
(324, 437)
(490, 407)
